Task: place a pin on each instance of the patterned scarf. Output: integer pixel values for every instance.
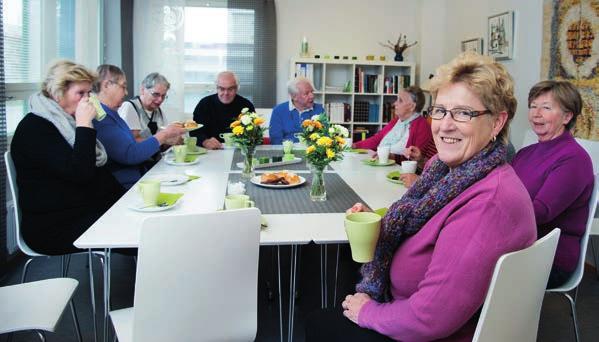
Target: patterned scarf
(436, 187)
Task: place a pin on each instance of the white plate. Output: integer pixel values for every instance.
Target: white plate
(261, 166)
(256, 180)
(171, 161)
(170, 179)
(139, 206)
(187, 129)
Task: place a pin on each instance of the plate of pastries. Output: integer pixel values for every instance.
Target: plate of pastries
(189, 125)
(278, 180)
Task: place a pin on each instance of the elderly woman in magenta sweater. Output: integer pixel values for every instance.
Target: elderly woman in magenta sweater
(407, 129)
(439, 243)
(557, 172)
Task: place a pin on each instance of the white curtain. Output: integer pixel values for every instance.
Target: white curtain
(158, 47)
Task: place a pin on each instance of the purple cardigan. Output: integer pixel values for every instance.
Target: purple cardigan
(440, 276)
(558, 175)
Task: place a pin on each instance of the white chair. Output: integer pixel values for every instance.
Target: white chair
(12, 182)
(513, 304)
(196, 279)
(36, 306)
(576, 277)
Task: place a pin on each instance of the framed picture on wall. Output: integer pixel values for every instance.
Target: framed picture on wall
(475, 45)
(500, 35)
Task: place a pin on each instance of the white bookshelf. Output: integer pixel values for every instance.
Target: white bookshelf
(330, 76)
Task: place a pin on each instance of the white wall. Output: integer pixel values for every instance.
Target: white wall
(467, 19)
(344, 28)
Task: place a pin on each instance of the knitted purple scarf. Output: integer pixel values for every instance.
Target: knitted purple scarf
(436, 187)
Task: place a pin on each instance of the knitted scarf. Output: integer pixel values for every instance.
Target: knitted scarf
(437, 186)
(64, 123)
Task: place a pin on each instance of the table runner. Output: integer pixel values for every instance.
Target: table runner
(340, 196)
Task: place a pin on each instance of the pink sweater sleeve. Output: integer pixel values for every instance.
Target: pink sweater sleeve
(456, 281)
(373, 142)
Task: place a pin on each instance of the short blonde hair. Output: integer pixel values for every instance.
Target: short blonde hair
(487, 79)
(60, 76)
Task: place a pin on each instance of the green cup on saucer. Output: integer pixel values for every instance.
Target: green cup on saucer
(149, 190)
(180, 153)
(191, 143)
(288, 157)
(228, 138)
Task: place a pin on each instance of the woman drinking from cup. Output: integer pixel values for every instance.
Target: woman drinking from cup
(64, 184)
(408, 128)
(557, 172)
(439, 243)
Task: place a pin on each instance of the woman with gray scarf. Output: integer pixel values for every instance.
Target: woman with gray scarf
(64, 186)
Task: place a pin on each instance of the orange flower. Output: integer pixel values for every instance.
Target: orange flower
(259, 121)
(235, 123)
(317, 124)
(306, 123)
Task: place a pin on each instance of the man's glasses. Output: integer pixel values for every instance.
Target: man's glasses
(223, 89)
(157, 95)
(458, 114)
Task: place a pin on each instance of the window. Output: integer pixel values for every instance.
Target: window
(37, 32)
(231, 44)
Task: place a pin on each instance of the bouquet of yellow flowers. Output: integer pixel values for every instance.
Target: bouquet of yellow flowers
(247, 134)
(247, 130)
(325, 143)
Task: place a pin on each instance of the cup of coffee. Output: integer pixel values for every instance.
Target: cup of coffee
(287, 146)
(382, 153)
(408, 166)
(362, 229)
(180, 153)
(238, 202)
(191, 143)
(228, 138)
(149, 189)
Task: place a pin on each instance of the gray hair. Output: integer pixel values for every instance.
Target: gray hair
(153, 79)
(227, 73)
(107, 72)
(292, 85)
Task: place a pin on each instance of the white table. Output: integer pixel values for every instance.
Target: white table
(120, 227)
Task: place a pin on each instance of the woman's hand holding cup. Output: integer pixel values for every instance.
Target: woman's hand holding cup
(84, 113)
(358, 207)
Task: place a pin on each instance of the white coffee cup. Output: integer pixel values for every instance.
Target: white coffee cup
(383, 154)
(408, 166)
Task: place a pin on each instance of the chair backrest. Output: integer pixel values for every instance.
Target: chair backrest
(576, 276)
(592, 148)
(197, 277)
(513, 304)
(11, 173)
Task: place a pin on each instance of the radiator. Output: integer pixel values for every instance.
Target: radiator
(11, 228)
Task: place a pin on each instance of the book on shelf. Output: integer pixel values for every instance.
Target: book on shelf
(373, 112)
(338, 111)
(361, 111)
(394, 83)
(388, 112)
(305, 70)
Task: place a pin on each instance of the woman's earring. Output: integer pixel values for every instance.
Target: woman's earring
(494, 138)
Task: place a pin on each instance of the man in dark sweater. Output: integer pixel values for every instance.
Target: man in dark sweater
(217, 111)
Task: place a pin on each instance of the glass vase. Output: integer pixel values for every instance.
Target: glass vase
(248, 162)
(318, 191)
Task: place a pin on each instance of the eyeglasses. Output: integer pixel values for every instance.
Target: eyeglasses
(458, 114)
(123, 85)
(223, 89)
(157, 95)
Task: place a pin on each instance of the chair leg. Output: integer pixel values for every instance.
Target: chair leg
(41, 335)
(573, 311)
(75, 321)
(92, 291)
(66, 261)
(594, 255)
(25, 269)
(336, 274)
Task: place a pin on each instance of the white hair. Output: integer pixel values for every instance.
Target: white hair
(292, 85)
(227, 73)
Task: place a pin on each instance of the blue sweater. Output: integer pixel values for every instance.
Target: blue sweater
(125, 155)
(285, 123)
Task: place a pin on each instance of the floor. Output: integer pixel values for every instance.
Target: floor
(555, 322)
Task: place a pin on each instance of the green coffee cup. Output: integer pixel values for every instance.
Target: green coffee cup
(228, 138)
(191, 143)
(288, 157)
(238, 202)
(287, 146)
(149, 189)
(363, 230)
(180, 153)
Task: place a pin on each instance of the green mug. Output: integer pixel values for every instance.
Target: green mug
(363, 229)
(180, 153)
(288, 157)
(191, 143)
(287, 146)
(228, 138)
(149, 189)
(238, 202)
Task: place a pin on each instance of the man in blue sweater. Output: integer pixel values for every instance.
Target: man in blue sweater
(126, 156)
(287, 117)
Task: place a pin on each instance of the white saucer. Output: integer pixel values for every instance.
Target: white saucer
(171, 179)
(171, 161)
